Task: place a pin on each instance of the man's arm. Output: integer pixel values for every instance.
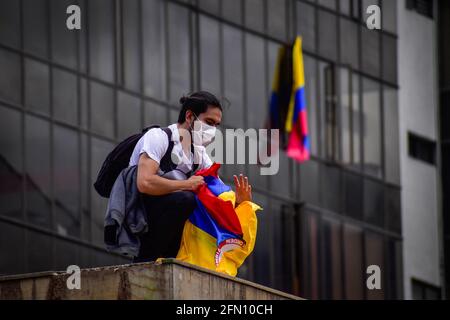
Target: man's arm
(150, 183)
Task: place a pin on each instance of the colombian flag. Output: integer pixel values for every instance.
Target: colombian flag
(287, 109)
(297, 120)
(217, 235)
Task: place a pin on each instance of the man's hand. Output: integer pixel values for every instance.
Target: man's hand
(243, 189)
(195, 181)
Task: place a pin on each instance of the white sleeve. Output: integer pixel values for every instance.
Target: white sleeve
(155, 144)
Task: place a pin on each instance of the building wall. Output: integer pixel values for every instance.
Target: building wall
(67, 97)
(418, 114)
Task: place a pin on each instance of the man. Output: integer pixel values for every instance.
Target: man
(169, 191)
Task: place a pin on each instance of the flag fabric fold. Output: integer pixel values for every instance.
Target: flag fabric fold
(218, 236)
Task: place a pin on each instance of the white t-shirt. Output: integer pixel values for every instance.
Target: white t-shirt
(155, 143)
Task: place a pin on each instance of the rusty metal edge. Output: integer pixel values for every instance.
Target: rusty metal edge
(165, 261)
(225, 276)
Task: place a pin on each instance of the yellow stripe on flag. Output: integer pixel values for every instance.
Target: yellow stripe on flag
(298, 78)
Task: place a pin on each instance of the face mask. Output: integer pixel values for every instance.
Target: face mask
(203, 133)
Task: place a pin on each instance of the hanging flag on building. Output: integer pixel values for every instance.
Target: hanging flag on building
(287, 109)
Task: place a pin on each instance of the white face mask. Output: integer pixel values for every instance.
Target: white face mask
(203, 133)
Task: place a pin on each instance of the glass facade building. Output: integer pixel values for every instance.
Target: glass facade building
(67, 97)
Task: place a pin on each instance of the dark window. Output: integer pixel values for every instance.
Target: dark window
(422, 148)
(209, 55)
(424, 7)
(350, 114)
(66, 181)
(423, 291)
(128, 115)
(153, 46)
(328, 37)
(233, 75)
(306, 25)
(65, 104)
(11, 132)
(101, 39)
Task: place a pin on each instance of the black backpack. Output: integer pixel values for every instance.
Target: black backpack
(119, 158)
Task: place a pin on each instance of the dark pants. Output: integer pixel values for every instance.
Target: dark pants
(166, 217)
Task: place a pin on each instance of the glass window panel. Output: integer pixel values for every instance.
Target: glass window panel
(394, 281)
(179, 52)
(154, 49)
(350, 119)
(84, 103)
(64, 46)
(155, 114)
(332, 259)
(65, 96)
(99, 151)
(211, 6)
(370, 51)
(65, 254)
(254, 14)
(37, 162)
(232, 10)
(306, 25)
(131, 58)
(11, 162)
(85, 187)
(37, 92)
(373, 202)
(349, 42)
(331, 188)
(389, 16)
(328, 3)
(375, 256)
(101, 39)
(389, 59)
(276, 20)
(129, 115)
(173, 115)
(284, 174)
(10, 23)
(391, 135)
(256, 83)
(83, 38)
(353, 195)
(35, 18)
(309, 177)
(262, 251)
(328, 113)
(11, 80)
(102, 109)
(40, 252)
(66, 175)
(345, 6)
(353, 246)
(328, 38)
(12, 259)
(233, 76)
(393, 209)
(209, 55)
(314, 256)
(372, 127)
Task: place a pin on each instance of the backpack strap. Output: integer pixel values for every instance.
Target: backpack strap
(166, 164)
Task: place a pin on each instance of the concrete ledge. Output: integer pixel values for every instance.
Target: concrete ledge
(167, 279)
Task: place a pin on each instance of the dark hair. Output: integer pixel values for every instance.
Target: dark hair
(197, 102)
